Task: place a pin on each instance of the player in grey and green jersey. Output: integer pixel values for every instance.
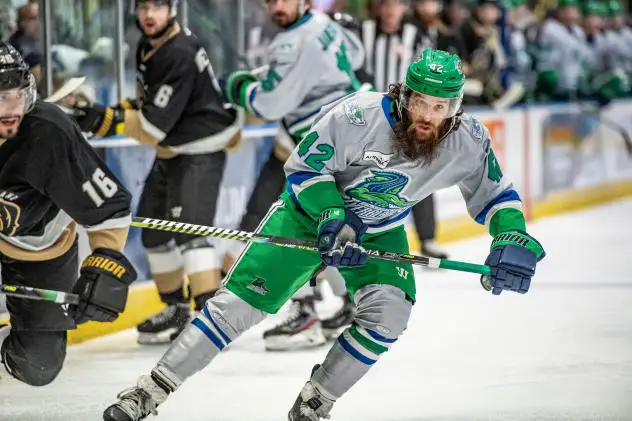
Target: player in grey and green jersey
(311, 63)
(351, 181)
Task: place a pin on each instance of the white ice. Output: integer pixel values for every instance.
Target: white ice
(561, 352)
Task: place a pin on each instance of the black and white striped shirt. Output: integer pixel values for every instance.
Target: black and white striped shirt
(388, 55)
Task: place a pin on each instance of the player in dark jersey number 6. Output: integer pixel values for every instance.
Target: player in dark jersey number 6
(180, 111)
(50, 181)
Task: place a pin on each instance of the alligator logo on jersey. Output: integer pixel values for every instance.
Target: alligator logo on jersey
(259, 286)
(355, 114)
(379, 196)
(9, 217)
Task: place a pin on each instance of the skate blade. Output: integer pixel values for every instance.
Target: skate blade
(294, 342)
(160, 338)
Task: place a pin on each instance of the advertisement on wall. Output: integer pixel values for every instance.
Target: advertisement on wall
(580, 149)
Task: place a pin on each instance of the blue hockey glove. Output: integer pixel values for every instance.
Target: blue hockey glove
(340, 234)
(512, 259)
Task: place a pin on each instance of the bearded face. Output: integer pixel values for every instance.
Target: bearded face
(422, 127)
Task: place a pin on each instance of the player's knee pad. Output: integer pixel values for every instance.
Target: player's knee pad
(165, 258)
(225, 317)
(382, 315)
(198, 255)
(222, 320)
(34, 357)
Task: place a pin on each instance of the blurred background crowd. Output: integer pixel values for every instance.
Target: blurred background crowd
(564, 50)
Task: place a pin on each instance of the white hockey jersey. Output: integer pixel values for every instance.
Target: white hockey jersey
(311, 64)
(348, 158)
(563, 50)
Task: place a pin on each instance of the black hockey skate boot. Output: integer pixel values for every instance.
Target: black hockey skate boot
(165, 326)
(300, 330)
(138, 402)
(310, 405)
(336, 324)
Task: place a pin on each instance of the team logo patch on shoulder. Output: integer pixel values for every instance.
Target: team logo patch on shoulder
(355, 113)
(380, 159)
(477, 130)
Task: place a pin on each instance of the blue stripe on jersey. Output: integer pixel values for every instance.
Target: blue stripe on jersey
(387, 104)
(389, 221)
(200, 325)
(305, 117)
(300, 177)
(354, 352)
(221, 332)
(379, 337)
(506, 196)
(251, 98)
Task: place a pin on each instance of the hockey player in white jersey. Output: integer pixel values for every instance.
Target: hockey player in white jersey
(311, 63)
(563, 57)
(351, 182)
(619, 37)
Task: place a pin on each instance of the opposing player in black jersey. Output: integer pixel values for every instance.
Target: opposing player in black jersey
(50, 181)
(182, 114)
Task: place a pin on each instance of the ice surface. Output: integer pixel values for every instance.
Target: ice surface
(561, 352)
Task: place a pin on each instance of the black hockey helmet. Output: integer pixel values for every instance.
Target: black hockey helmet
(173, 5)
(15, 74)
(173, 12)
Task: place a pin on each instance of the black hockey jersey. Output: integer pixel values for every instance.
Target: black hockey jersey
(50, 176)
(182, 104)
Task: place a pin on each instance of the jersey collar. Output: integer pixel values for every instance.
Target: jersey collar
(388, 109)
(305, 18)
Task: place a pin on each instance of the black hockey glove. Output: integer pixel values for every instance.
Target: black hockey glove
(98, 120)
(102, 286)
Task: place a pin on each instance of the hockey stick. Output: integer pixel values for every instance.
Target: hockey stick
(39, 294)
(207, 231)
(66, 89)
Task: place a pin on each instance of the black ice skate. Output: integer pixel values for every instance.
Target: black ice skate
(333, 326)
(165, 326)
(138, 402)
(300, 330)
(429, 249)
(310, 405)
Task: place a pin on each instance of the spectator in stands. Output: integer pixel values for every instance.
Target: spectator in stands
(26, 38)
(484, 52)
(433, 33)
(454, 14)
(390, 45)
(561, 54)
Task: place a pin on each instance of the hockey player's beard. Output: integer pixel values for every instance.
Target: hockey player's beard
(281, 19)
(408, 142)
(9, 126)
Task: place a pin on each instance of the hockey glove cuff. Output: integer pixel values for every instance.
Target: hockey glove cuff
(100, 121)
(339, 239)
(236, 85)
(128, 104)
(512, 259)
(102, 286)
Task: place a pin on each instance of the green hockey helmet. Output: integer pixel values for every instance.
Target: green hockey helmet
(433, 85)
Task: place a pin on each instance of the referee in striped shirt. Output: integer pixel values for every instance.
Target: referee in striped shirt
(390, 45)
